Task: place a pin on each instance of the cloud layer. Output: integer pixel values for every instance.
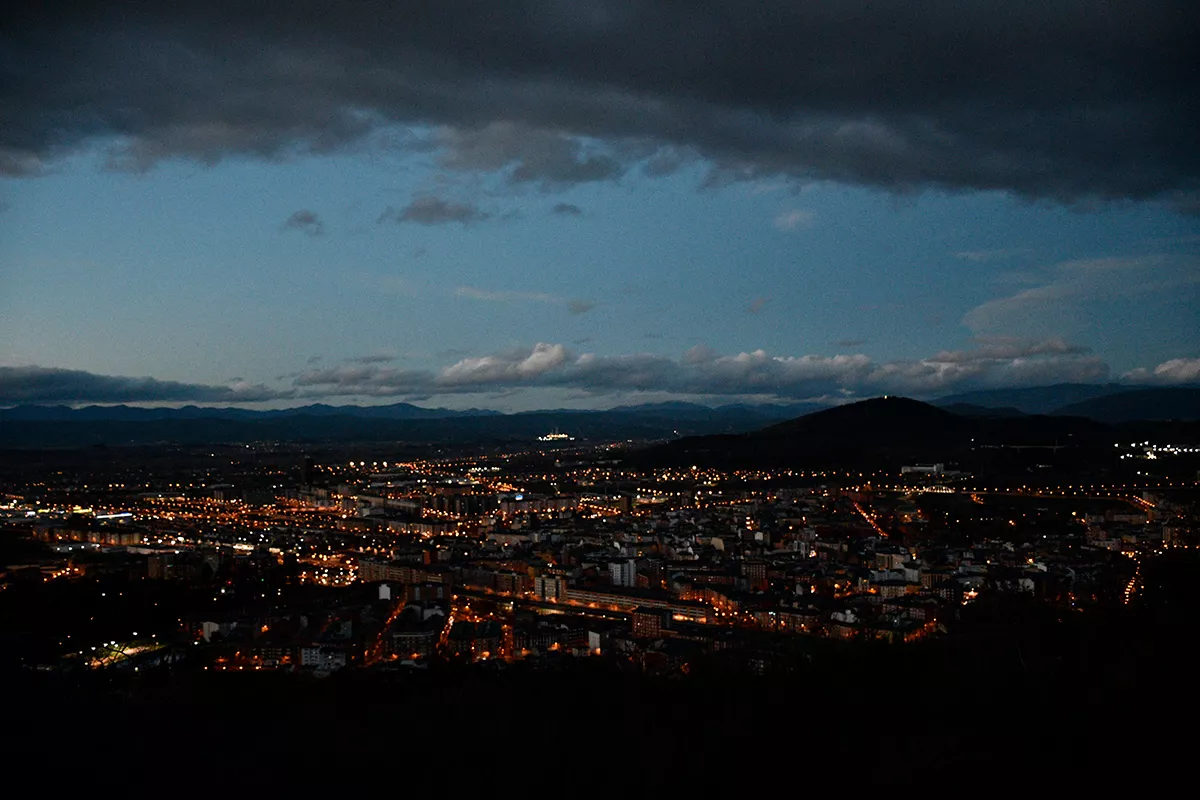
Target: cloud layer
(35, 384)
(703, 372)
(1062, 99)
(700, 372)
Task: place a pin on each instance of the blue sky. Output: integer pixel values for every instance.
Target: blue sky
(519, 261)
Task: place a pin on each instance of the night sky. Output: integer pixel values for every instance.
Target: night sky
(581, 204)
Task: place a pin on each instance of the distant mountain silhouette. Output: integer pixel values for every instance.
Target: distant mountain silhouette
(1034, 399)
(890, 428)
(60, 426)
(968, 410)
(393, 411)
(124, 413)
(670, 407)
(119, 414)
(778, 411)
(1140, 404)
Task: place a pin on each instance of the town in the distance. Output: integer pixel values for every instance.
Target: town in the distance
(883, 522)
(716, 597)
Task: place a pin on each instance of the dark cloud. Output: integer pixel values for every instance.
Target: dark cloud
(580, 306)
(1063, 99)
(434, 211)
(367, 380)
(567, 210)
(757, 305)
(34, 384)
(1007, 348)
(304, 220)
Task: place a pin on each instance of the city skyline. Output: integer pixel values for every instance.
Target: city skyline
(592, 205)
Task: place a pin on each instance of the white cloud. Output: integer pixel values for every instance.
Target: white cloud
(504, 368)
(1177, 370)
(795, 219)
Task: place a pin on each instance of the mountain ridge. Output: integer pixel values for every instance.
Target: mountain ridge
(1052, 398)
(61, 426)
(892, 431)
(1178, 403)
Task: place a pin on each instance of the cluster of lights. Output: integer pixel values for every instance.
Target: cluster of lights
(1131, 587)
(1153, 451)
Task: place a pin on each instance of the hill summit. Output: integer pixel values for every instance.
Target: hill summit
(889, 426)
(883, 431)
(887, 416)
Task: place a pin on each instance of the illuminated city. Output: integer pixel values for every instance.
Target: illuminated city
(148, 563)
(571, 551)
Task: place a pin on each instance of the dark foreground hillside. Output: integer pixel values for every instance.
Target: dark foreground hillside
(1020, 695)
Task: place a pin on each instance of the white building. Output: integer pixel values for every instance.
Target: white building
(322, 659)
(550, 587)
(623, 573)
